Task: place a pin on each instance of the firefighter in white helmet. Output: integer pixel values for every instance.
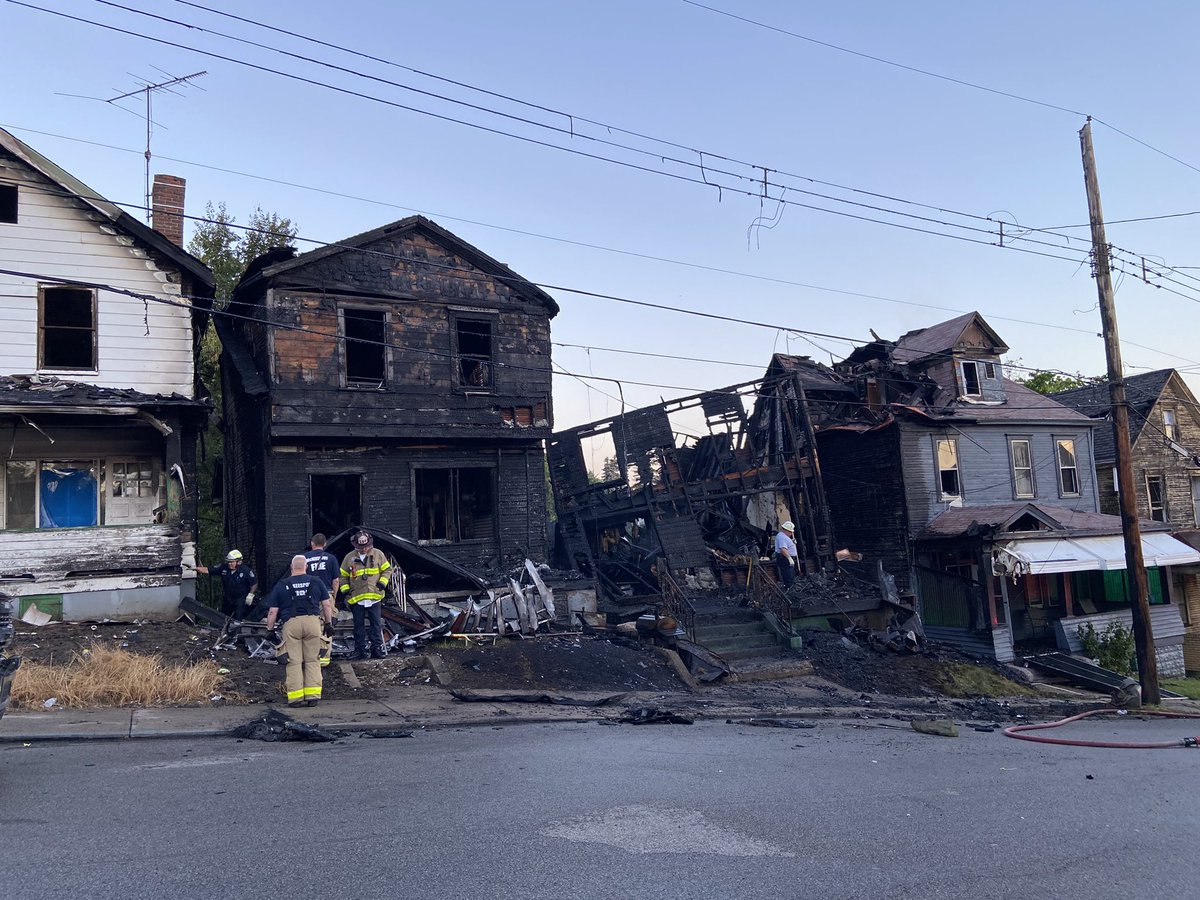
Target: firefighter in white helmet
(786, 554)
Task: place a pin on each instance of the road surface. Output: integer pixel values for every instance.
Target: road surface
(711, 810)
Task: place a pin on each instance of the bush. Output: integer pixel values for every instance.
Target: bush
(1113, 647)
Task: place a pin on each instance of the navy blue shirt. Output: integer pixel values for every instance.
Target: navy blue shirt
(298, 595)
(323, 565)
(237, 582)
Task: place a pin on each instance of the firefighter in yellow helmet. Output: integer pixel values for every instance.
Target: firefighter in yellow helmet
(365, 574)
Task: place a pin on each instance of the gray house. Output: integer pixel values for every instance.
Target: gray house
(980, 496)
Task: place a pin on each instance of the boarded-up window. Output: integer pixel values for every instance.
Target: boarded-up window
(67, 333)
(365, 350)
(473, 352)
(1068, 470)
(8, 203)
(455, 504)
(1021, 455)
(947, 463)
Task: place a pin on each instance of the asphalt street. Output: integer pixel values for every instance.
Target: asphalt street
(599, 811)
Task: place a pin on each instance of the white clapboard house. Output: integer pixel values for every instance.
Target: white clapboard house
(100, 405)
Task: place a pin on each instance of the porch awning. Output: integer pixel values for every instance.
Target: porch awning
(1086, 554)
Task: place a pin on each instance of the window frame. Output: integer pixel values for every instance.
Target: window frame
(1170, 429)
(492, 319)
(966, 391)
(1194, 479)
(13, 204)
(1060, 468)
(94, 368)
(454, 511)
(1027, 440)
(937, 462)
(1162, 482)
(344, 348)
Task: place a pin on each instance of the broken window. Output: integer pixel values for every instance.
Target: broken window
(134, 492)
(989, 370)
(1156, 490)
(947, 463)
(455, 505)
(67, 336)
(335, 502)
(970, 371)
(1170, 425)
(365, 349)
(8, 203)
(1196, 499)
(473, 353)
(20, 494)
(1068, 470)
(1021, 455)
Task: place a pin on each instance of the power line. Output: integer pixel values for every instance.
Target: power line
(941, 77)
(703, 180)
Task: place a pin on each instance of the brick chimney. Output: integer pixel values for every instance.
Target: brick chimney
(167, 201)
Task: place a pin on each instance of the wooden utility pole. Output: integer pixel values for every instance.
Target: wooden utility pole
(1143, 635)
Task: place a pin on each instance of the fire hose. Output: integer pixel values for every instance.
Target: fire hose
(1020, 731)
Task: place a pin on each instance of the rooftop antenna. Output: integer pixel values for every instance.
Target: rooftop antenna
(148, 89)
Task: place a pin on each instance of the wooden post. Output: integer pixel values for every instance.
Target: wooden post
(1127, 493)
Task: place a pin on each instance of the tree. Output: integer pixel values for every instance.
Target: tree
(227, 250)
(1048, 381)
(1052, 382)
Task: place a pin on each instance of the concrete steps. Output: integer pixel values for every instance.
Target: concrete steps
(738, 634)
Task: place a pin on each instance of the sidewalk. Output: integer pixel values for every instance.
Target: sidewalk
(413, 708)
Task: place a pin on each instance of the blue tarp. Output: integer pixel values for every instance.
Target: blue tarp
(69, 496)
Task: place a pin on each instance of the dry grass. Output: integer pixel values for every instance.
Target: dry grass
(965, 680)
(106, 676)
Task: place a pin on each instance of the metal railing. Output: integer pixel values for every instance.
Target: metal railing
(677, 603)
(768, 596)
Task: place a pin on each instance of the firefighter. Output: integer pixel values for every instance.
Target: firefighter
(322, 563)
(365, 574)
(301, 602)
(786, 554)
(239, 583)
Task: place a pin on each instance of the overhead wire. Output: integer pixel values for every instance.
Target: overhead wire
(704, 180)
(962, 82)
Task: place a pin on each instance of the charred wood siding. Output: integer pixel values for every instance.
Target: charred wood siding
(864, 484)
(387, 475)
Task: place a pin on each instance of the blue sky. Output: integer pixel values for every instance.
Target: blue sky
(709, 83)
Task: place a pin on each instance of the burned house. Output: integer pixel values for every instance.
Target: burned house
(980, 496)
(99, 396)
(696, 486)
(398, 379)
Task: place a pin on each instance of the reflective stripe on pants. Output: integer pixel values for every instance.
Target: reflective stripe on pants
(302, 641)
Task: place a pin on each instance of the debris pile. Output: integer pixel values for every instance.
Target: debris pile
(523, 607)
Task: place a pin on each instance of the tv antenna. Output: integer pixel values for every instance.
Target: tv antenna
(149, 89)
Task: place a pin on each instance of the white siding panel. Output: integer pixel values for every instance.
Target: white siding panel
(56, 237)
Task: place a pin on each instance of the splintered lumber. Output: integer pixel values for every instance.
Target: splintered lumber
(544, 592)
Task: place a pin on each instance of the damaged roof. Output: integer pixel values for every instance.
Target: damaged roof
(471, 253)
(966, 521)
(50, 392)
(944, 338)
(1020, 404)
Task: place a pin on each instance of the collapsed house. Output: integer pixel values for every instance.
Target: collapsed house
(100, 400)
(695, 487)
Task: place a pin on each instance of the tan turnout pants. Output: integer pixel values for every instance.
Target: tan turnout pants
(302, 641)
